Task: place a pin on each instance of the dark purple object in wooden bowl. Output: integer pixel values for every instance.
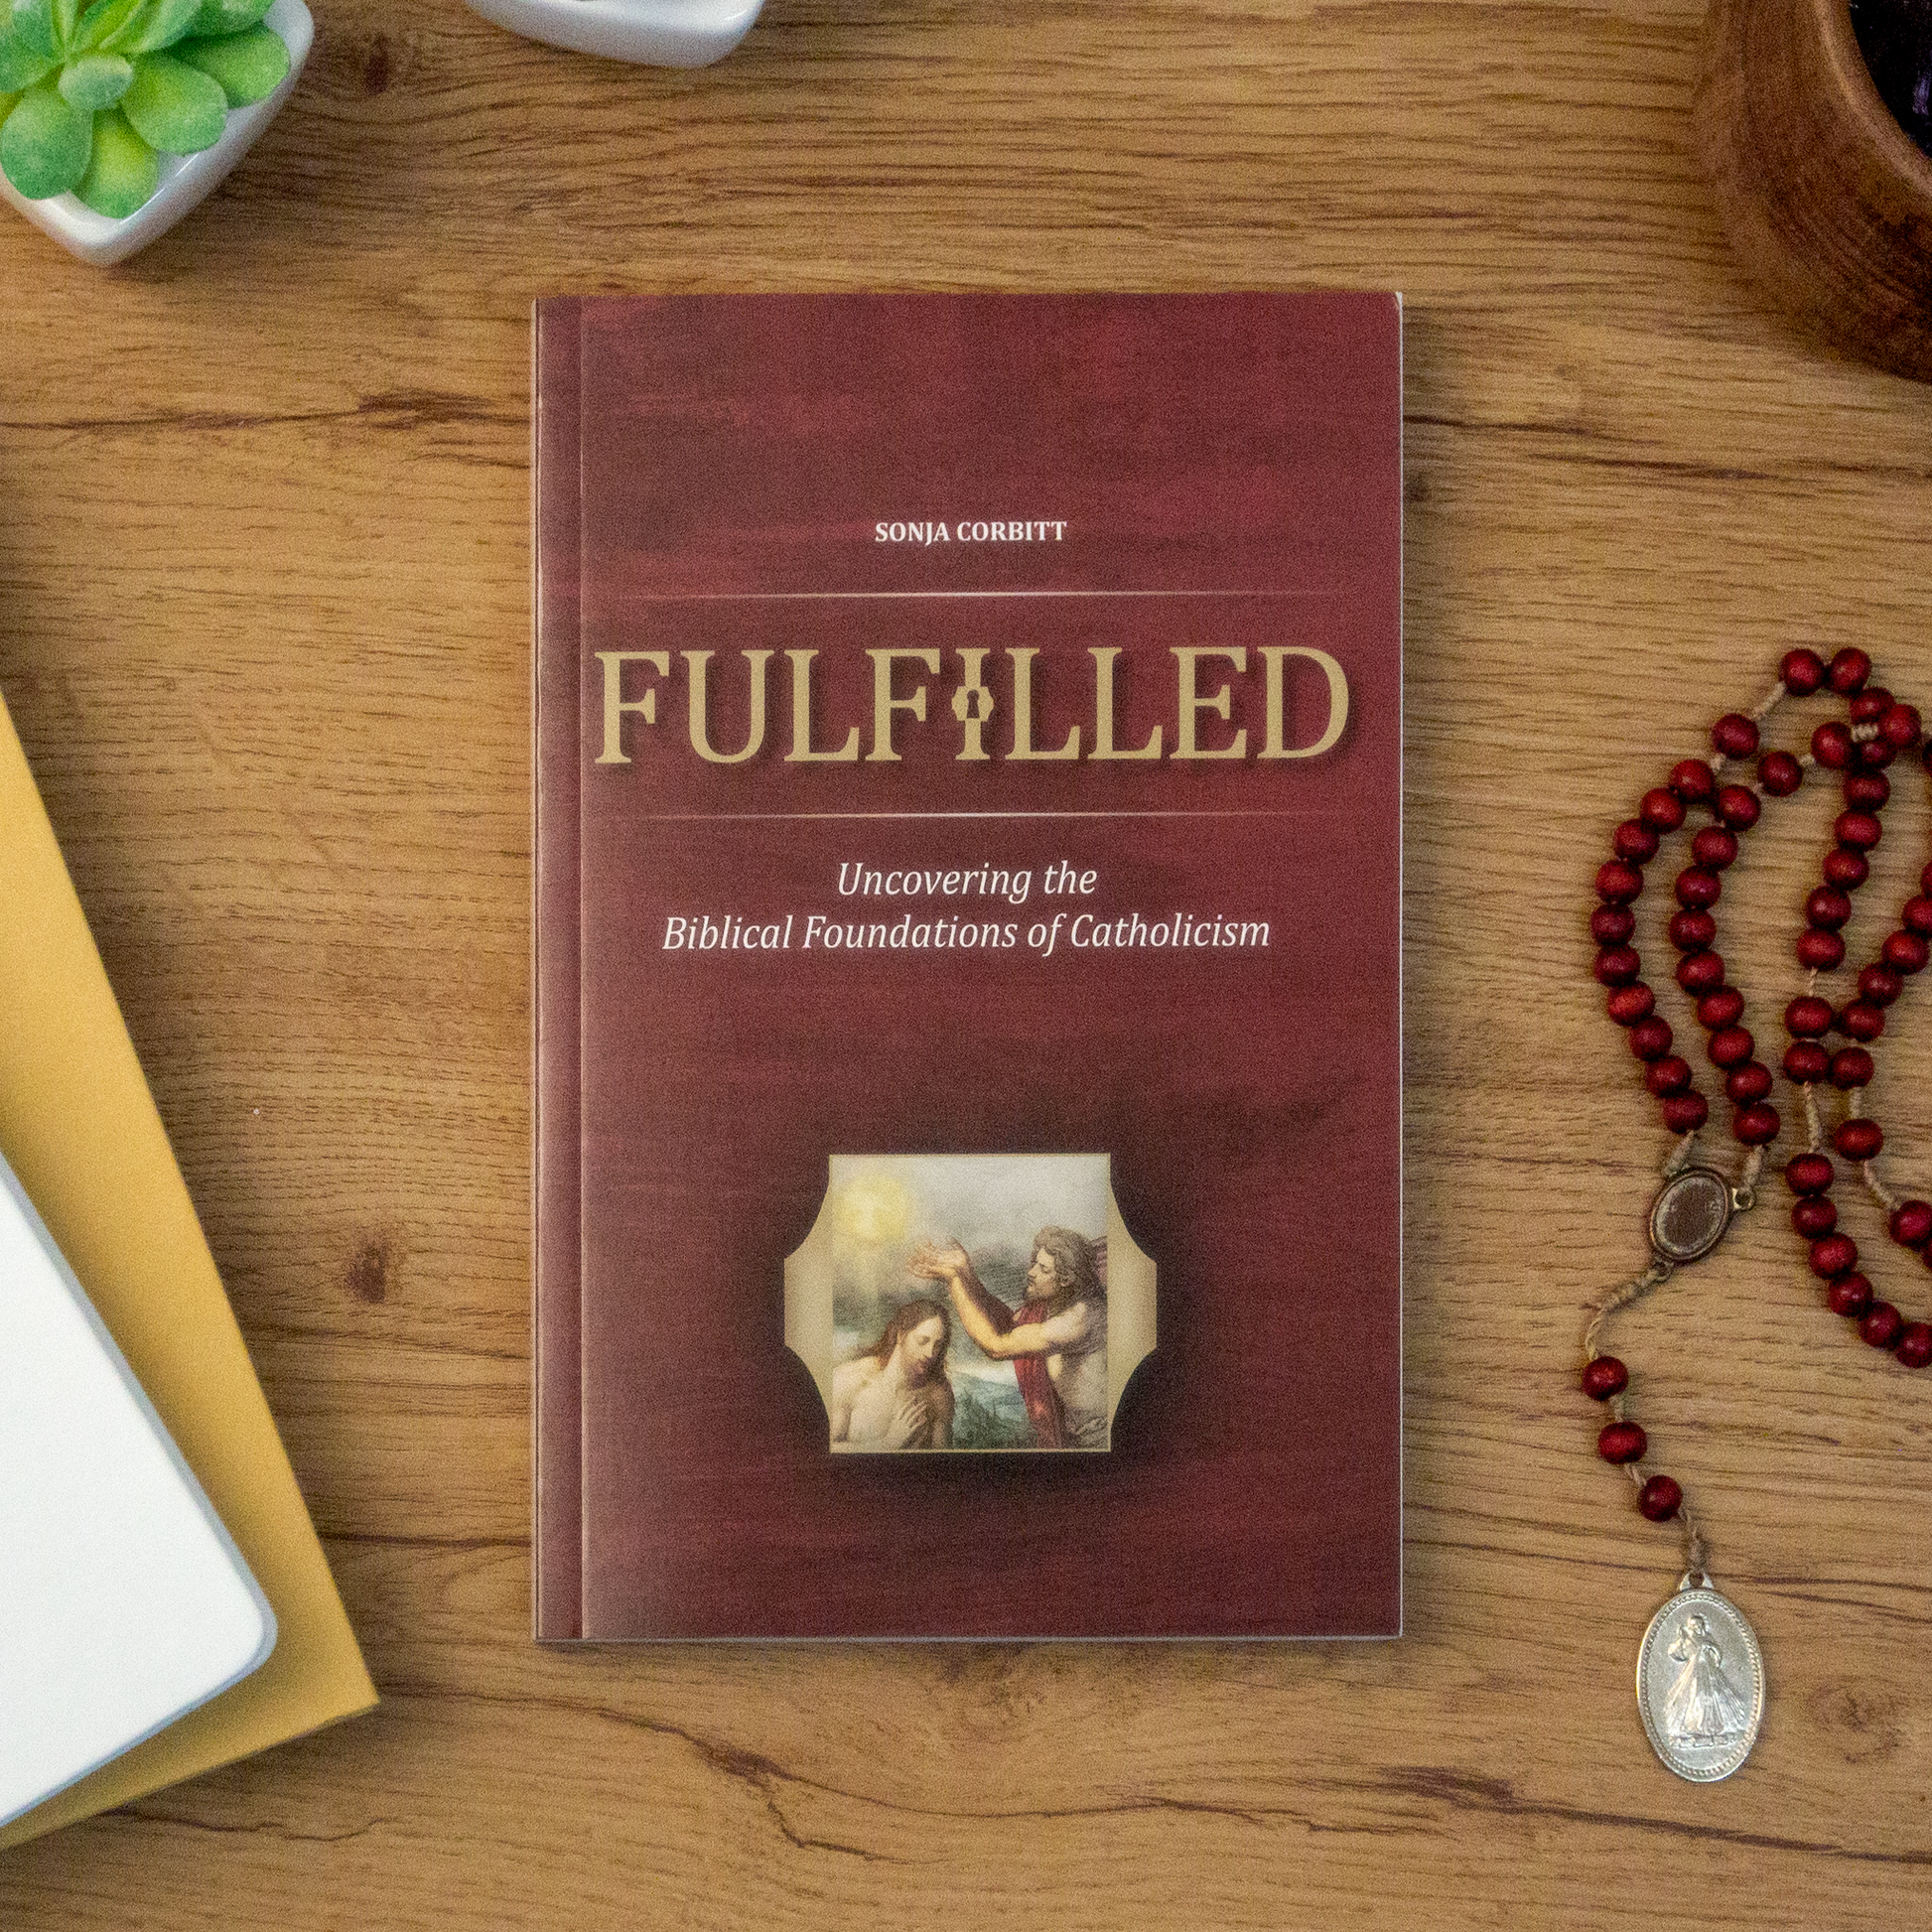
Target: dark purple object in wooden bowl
(1826, 198)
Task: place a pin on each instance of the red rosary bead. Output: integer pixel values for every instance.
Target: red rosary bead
(1832, 746)
(1660, 1499)
(1833, 1254)
(1723, 1008)
(1848, 670)
(1755, 1126)
(1699, 973)
(1808, 1174)
(1780, 774)
(1697, 890)
(1617, 883)
(1867, 792)
(1733, 736)
(1618, 965)
(1629, 1004)
(1917, 917)
(1806, 1062)
(1731, 1047)
(1604, 1377)
(1849, 1295)
(1904, 952)
(1684, 1113)
(1691, 931)
(1858, 1140)
(1803, 673)
(1882, 1325)
(1845, 868)
(1911, 1223)
(1807, 1016)
(1634, 843)
(1743, 1084)
(1914, 1345)
(1826, 908)
(1650, 1040)
(1869, 706)
(1662, 810)
(1875, 752)
(1621, 1442)
(1666, 1076)
(1820, 952)
(1737, 807)
(1814, 1215)
(1901, 727)
(1879, 986)
(1692, 780)
(1863, 1022)
(1850, 1067)
(1714, 848)
(1859, 830)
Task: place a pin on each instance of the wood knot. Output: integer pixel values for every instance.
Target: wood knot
(373, 1269)
(376, 66)
(1861, 1723)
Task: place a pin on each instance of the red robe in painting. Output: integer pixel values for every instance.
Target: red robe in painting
(1036, 1388)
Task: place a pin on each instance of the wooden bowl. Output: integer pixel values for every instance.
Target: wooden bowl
(1827, 200)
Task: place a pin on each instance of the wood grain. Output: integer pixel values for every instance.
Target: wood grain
(264, 627)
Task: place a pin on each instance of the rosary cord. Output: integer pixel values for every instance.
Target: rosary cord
(1696, 1549)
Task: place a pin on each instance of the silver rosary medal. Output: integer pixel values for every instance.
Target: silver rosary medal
(1700, 1682)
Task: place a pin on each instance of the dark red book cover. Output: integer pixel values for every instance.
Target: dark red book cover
(968, 932)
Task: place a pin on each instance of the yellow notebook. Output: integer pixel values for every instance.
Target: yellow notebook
(80, 1130)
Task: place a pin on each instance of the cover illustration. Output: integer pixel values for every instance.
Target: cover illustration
(968, 966)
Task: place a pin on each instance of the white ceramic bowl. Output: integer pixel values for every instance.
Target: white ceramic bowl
(665, 33)
(185, 180)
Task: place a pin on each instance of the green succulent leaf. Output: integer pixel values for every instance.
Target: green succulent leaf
(102, 21)
(247, 66)
(33, 29)
(221, 17)
(66, 12)
(175, 107)
(96, 80)
(45, 145)
(152, 26)
(21, 66)
(124, 172)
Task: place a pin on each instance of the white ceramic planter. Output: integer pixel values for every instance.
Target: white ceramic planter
(665, 33)
(185, 180)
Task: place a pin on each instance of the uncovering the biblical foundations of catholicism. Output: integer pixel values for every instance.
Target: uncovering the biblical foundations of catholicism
(968, 1006)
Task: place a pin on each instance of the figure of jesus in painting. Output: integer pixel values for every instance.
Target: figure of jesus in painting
(897, 1395)
(1057, 1339)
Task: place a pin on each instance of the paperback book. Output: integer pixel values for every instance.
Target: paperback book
(968, 923)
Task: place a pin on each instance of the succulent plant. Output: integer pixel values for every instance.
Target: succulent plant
(91, 95)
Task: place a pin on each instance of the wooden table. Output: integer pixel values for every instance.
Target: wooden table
(266, 592)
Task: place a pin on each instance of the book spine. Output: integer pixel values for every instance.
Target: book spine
(557, 608)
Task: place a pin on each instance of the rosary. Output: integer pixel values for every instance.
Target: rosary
(1700, 1674)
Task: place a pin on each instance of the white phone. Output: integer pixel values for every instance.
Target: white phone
(123, 1601)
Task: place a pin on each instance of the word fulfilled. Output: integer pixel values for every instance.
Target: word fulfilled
(1228, 702)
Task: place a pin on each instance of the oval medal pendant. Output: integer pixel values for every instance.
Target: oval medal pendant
(1701, 1683)
(1689, 1214)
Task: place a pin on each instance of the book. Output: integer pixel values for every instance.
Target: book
(80, 1130)
(129, 1603)
(968, 956)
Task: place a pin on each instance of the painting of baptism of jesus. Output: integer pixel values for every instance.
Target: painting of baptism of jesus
(969, 1303)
